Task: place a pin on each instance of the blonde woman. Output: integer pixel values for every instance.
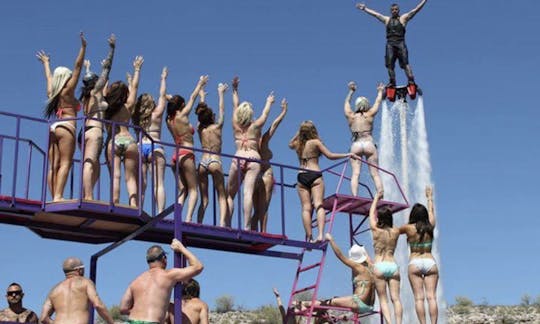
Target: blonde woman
(149, 116)
(183, 159)
(361, 125)
(94, 107)
(310, 186)
(247, 136)
(121, 99)
(210, 132)
(62, 102)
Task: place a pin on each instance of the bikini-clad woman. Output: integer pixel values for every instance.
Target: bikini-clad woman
(149, 116)
(363, 297)
(183, 159)
(361, 125)
(423, 270)
(247, 135)
(310, 186)
(94, 107)
(264, 186)
(121, 99)
(385, 269)
(62, 102)
(210, 132)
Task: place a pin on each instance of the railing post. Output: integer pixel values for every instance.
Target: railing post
(179, 262)
(28, 166)
(45, 168)
(16, 160)
(154, 179)
(93, 277)
(239, 192)
(282, 200)
(1, 148)
(81, 167)
(111, 166)
(139, 174)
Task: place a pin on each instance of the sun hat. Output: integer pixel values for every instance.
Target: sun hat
(357, 253)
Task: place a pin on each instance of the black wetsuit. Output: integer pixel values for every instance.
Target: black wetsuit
(395, 46)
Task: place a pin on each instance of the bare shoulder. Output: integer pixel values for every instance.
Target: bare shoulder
(314, 142)
(200, 304)
(409, 229)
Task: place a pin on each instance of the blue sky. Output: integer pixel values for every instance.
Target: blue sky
(475, 60)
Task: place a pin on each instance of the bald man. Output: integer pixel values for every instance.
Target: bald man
(146, 300)
(71, 298)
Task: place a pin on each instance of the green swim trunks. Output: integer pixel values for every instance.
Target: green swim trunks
(140, 322)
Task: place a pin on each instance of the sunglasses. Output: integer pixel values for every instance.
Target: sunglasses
(162, 255)
(14, 293)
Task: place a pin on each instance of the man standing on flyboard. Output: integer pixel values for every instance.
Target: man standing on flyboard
(396, 49)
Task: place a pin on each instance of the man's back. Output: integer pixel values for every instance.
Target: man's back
(151, 292)
(194, 311)
(70, 301)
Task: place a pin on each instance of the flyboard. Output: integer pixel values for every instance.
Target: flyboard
(401, 92)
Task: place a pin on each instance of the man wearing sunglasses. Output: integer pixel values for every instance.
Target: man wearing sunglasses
(71, 298)
(16, 312)
(146, 300)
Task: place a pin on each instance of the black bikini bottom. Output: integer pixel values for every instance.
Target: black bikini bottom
(79, 137)
(307, 178)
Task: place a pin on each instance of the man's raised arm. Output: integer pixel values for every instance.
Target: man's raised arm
(384, 19)
(409, 15)
(194, 268)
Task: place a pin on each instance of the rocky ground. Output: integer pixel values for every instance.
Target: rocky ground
(456, 315)
(494, 315)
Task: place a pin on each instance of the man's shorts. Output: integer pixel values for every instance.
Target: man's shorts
(396, 50)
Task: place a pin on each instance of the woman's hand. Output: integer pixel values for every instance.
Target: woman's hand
(164, 73)
(222, 87)
(429, 192)
(352, 86)
(83, 40)
(203, 80)
(112, 41)
(271, 98)
(43, 57)
(138, 62)
(235, 83)
(284, 104)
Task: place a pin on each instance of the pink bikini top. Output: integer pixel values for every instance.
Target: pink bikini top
(180, 138)
(60, 111)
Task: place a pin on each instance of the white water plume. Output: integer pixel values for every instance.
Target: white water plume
(413, 169)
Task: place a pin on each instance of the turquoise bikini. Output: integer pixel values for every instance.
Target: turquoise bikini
(362, 307)
(387, 268)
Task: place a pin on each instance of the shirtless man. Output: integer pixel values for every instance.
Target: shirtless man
(71, 298)
(361, 125)
(395, 38)
(146, 300)
(194, 310)
(16, 312)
